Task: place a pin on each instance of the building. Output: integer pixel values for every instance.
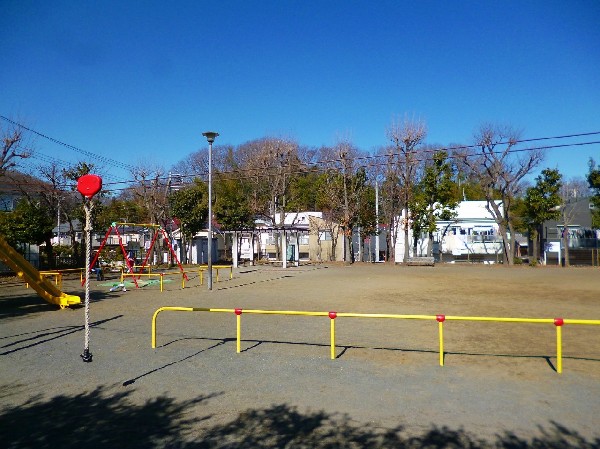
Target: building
(574, 229)
(472, 236)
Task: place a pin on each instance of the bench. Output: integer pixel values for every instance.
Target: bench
(420, 262)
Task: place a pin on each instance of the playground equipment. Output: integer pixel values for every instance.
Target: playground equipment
(131, 263)
(203, 268)
(558, 323)
(43, 286)
(88, 186)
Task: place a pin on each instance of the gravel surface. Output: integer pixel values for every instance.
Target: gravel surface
(499, 386)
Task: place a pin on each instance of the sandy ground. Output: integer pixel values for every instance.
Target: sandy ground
(498, 387)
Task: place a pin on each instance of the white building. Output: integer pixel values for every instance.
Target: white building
(473, 233)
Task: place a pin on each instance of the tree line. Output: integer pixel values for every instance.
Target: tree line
(416, 184)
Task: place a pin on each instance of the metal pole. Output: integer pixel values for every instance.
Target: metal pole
(377, 221)
(59, 242)
(209, 247)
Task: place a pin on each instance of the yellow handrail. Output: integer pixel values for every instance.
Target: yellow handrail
(558, 323)
(202, 268)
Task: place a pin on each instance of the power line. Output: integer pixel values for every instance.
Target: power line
(253, 172)
(104, 159)
(260, 172)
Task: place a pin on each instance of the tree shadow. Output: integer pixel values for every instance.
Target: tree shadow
(24, 304)
(109, 419)
(283, 426)
(29, 302)
(96, 419)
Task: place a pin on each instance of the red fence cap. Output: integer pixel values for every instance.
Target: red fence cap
(440, 318)
(238, 311)
(559, 321)
(333, 315)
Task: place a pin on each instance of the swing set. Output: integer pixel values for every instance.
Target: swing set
(130, 262)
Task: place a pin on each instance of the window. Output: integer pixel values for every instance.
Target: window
(324, 235)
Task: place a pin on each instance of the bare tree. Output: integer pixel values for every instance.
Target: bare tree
(577, 187)
(269, 165)
(14, 146)
(499, 166)
(195, 165)
(404, 158)
(341, 188)
(152, 191)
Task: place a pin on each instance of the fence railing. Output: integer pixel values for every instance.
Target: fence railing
(441, 319)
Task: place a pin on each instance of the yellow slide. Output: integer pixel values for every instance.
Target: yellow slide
(45, 288)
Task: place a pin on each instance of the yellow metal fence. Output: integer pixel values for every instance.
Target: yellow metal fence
(557, 322)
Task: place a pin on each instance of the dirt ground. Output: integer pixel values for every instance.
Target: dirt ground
(498, 387)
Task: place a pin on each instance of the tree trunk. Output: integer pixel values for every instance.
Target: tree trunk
(49, 253)
(565, 238)
(535, 241)
(514, 248)
(415, 246)
(507, 258)
(389, 244)
(430, 245)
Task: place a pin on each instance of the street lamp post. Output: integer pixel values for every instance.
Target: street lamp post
(210, 136)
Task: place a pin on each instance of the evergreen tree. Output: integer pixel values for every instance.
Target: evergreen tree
(594, 182)
(541, 203)
(434, 199)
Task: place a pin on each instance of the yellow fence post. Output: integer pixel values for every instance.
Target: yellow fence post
(332, 316)
(440, 319)
(238, 317)
(558, 322)
(183, 280)
(161, 282)
(154, 328)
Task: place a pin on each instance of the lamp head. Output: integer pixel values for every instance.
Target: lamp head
(210, 136)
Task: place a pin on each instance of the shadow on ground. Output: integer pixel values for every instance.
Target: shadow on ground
(104, 419)
(28, 303)
(28, 340)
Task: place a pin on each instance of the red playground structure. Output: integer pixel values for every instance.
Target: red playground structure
(128, 261)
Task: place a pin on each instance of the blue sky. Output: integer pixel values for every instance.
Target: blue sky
(139, 81)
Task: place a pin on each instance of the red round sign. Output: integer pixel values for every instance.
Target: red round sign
(89, 185)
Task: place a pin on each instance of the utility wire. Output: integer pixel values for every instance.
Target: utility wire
(103, 159)
(252, 173)
(314, 166)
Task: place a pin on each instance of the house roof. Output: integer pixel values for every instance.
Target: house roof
(580, 214)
